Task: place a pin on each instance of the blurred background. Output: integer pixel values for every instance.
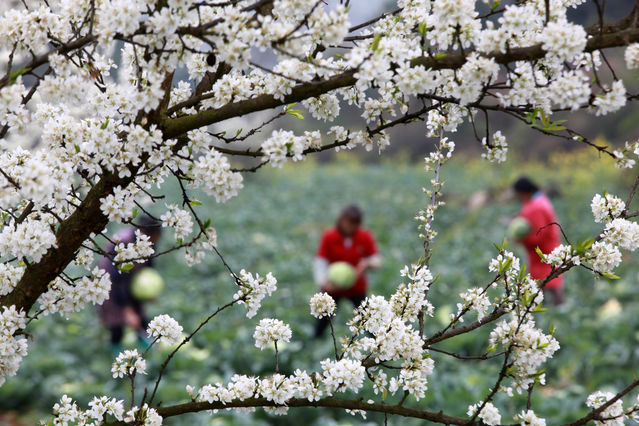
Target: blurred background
(274, 225)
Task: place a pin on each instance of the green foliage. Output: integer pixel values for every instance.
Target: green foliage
(274, 225)
(297, 113)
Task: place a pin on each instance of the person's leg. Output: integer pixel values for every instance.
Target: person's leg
(117, 332)
(144, 340)
(558, 296)
(320, 327)
(357, 299)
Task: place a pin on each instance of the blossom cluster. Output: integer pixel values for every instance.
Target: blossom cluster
(529, 346)
(562, 255)
(138, 251)
(165, 329)
(253, 289)
(322, 305)
(65, 297)
(178, 219)
(66, 411)
(496, 149)
(141, 128)
(606, 207)
(614, 413)
(128, 363)
(271, 331)
(489, 413)
(619, 233)
(12, 347)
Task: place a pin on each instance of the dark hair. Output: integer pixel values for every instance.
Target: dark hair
(148, 225)
(352, 213)
(525, 185)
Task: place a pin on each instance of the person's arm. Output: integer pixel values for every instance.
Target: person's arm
(320, 271)
(534, 237)
(321, 263)
(372, 260)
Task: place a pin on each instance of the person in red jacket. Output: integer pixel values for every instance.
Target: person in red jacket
(346, 242)
(538, 211)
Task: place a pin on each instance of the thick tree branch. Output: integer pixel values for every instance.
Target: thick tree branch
(439, 417)
(174, 127)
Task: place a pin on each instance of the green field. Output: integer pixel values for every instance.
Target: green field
(274, 224)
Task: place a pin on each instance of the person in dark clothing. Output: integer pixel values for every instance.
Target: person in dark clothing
(347, 242)
(122, 309)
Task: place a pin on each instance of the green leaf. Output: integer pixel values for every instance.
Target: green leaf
(422, 28)
(77, 148)
(583, 246)
(13, 77)
(195, 203)
(522, 273)
(501, 246)
(126, 268)
(136, 212)
(296, 113)
(505, 265)
(495, 5)
(541, 254)
(104, 125)
(610, 276)
(539, 309)
(375, 43)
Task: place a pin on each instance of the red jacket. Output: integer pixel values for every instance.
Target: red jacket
(538, 211)
(334, 247)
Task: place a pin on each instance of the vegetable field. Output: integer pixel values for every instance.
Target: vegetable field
(274, 224)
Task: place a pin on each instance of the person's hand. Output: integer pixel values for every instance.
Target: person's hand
(131, 318)
(328, 287)
(361, 267)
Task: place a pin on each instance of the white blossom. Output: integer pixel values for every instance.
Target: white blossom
(562, 255)
(622, 233)
(604, 256)
(607, 207)
(12, 347)
(631, 55)
(498, 148)
(614, 413)
(253, 289)
(322, 305)
(166, 329)
(271, 331)
(489, 413)
(529, 418)
(128, 363)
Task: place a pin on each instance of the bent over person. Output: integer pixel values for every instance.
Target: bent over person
(543, 232)
(122, 308)
(347, 242)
